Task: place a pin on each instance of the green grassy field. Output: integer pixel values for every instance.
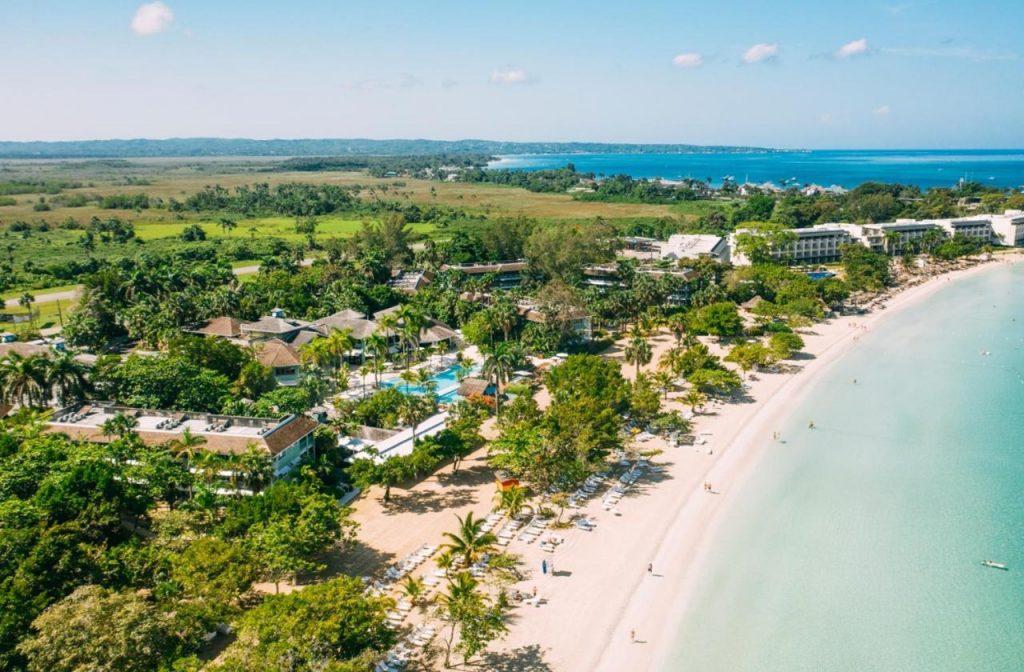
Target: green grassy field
(259, 227)
(45, 315)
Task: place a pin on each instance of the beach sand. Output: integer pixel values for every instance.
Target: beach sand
(603, 609)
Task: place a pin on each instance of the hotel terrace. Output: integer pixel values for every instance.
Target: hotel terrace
(284, 440)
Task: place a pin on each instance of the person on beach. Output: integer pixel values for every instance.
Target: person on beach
(632, 636)
(544, 567)
(810, 425)
(650, 567)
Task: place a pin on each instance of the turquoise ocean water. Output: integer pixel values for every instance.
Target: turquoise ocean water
(856, 546)
(847, 168)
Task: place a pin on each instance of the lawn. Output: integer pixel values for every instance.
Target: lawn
(47, 314)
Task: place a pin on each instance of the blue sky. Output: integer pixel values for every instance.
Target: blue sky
(789, 73)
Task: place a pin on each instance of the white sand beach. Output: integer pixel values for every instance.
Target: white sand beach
(603, 609)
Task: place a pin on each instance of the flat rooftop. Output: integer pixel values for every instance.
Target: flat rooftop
(224, 434)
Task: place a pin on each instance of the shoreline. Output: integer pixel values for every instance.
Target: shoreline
(588, 623)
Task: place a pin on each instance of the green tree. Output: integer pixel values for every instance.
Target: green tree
(326, 626)
(477, 619)
(718, 319)
(498, 367)
(96, 629)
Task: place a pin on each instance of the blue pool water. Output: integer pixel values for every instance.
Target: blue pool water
(447, 384)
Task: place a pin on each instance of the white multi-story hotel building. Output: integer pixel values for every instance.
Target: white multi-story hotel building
(818, 244)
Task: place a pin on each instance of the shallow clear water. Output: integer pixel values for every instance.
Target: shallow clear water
(856, 546)
(847, 168)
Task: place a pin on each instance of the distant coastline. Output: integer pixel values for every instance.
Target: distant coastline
(242, 147)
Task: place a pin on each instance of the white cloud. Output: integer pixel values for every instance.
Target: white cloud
(825, 118)
(881, 111)
(152, 18)
(510, 77)
(761, 52)
(851, 49)
(692, 60)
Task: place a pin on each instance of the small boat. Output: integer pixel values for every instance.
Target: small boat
(994, 565)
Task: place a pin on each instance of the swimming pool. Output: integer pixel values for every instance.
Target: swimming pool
(447, 384)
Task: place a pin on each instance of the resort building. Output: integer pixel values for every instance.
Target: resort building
(819, 244)
(683, 246)
(604, 276)
(579, 320)
(278, 339)
(283, 360)
(285, 441)
(639, 247)
(894, 237)
(410, 282)
(1008, 228)
(275, 325)
(977, 228)
(506, 274)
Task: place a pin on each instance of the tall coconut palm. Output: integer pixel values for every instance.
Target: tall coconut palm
(498, 367)
(187, 447)
(638, 350)
(377, 344)
(413, 411)
(505, 316)
(65, 378)
(677, 325)
(469, 542)
(340, 344)
(23, 379)
(665, 381)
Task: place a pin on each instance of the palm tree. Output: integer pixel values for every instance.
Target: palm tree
(469, 542)
(317, 352)
(677, 325)
(498, 367)
(120, 425)
(510, 500)
(26, 302)
(665, 381)
(414, 588)
(694, 398)
(505, 315)
(339, 344)
(409, 378)
(413, 411)
(364, 371)
(377, 344)
(409, 332)
(255, 466)
(638, 350)
(226, 224)
(65, 378)
(187, 446)
(424, 379)
(23, 379)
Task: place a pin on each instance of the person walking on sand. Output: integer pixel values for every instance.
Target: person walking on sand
(632, 636)
(650, 567)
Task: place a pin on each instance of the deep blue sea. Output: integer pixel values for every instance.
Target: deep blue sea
(846, 168)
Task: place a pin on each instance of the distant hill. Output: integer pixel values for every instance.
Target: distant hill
(200, 147)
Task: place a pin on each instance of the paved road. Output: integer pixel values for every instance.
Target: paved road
(70, 294)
